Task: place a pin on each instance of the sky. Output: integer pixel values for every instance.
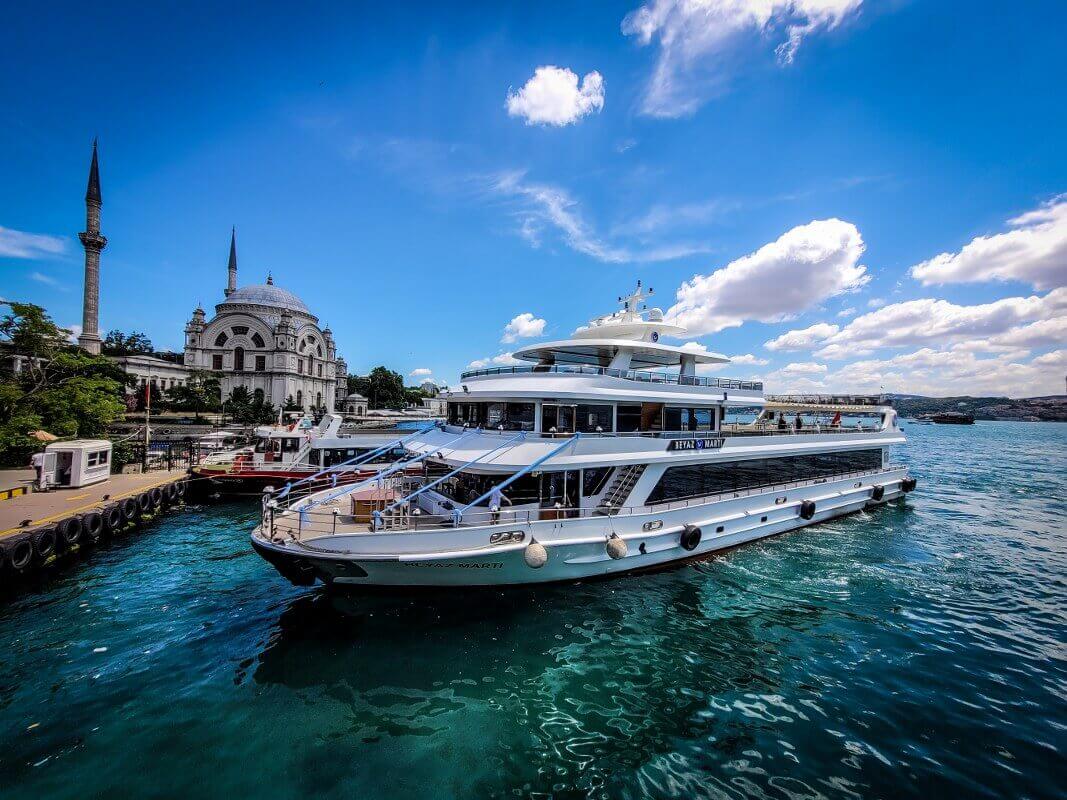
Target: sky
(840, 195)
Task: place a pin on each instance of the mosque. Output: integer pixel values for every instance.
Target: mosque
(261, 337)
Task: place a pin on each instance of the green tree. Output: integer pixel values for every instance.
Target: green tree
(383, 388)
(116, 343)
(59, 388)
(202, 392)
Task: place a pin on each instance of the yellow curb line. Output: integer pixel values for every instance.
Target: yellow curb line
(94, 504)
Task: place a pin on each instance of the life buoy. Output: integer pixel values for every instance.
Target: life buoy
(44, 543)
(807, 509)
(131, 509)
(908, 485)
(68, 532)
(93, 526)
(878, 492)
(155, 494)
(19, 552)
(144, 502)
(690, 537)
(114, 519)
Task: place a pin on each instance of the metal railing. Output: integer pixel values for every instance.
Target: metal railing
(301, 524)
(873, 400)
(728, 429)
(640, 375)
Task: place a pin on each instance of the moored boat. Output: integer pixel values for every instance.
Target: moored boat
(608, 453)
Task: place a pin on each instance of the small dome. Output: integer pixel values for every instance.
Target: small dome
(269, 295)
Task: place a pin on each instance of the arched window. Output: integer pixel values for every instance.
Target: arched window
(318, 350)
(299, 398)
(318, 399)
(257, 340)
(220, 340)
(240, 330)
(238, 358)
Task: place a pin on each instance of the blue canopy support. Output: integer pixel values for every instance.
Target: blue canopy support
(458, 469)
(362, 458)
(388, 471)
(457, 514)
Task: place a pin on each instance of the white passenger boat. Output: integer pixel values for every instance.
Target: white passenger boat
(608, 453)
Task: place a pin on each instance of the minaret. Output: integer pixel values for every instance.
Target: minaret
(231, 268)
(93, 242)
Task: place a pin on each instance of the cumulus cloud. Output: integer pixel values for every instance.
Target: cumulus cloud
(19, 244)
(523, 326)
(500, 360)
(803, 267)
(846, 312)
(933, 322)
(1034, 252)
(75, 331)
(554, 97)
(541, 205)
(804, 368)
(698, 40)
(420, 372)
(748, 358)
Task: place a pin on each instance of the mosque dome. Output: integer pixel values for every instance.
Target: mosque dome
(267, 295)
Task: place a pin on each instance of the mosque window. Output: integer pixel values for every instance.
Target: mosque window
(240, 330)
(257, 340)
(299, 398)
(261, 363)
(318, 350)
(238, 358)
(216, 362)
(220, 340)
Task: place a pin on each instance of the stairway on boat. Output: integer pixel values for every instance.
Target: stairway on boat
(620, 489)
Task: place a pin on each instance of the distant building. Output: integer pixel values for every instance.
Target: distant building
(265, 339)
(354, 404)
(159, 372)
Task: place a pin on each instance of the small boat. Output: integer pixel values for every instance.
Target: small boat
(950, 418)
(606, 453)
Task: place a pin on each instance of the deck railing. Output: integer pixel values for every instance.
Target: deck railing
(728, 429)
(640, 375)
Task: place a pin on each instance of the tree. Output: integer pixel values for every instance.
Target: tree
(382, 387)
(59, 388)
(202, 392)
(414, 397)
(116, 343)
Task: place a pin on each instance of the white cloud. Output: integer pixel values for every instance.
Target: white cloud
(524, 326)
(18, 244)
(748, 358)
(804, 368)
(420, 372)
(553, 97)
(500, 360)
(846, 312)
(40, 277)
(1034, 252)
(697, 39)
(803, 267)
(875, 302)
(75, 332)
(543, 205)
(1004, 323)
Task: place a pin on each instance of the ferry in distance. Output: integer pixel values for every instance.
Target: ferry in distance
(608, 452)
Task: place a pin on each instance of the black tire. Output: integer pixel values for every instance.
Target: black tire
(93, 526)
(131, 509)
(807, 509)
(68, 533)
(170, 494)
(114, 519)
(155, 495)
(180, 488)
(690, 537)
(19, 552)
(878, 492)
(144, 502)
(44, 544)
(908, 485)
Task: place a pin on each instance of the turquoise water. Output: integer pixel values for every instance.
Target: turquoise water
(914, 651)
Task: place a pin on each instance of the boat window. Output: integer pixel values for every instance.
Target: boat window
(628, 418)
(590, 418)
(494, 416)
(676, 418)
(701, 480)
(593, 480)
(290, 444)
(262, 444)
(520, 417)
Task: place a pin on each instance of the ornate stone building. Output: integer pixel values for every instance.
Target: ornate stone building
(267, 340)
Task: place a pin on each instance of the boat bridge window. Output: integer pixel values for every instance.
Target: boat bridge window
(513, 416)
(688, 419)
(268, 444)
(701, 480)
(584, 417)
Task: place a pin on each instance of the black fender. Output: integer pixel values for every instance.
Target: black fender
(114, 519)
(908, 485)
(68, 533)
(807, 509)
(44, 543)
(144, 502)
(155, 495)
(93, 526)
(690, 538)
(18, 551)
(131, 509)
(877, 493)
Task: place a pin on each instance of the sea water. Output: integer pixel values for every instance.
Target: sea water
(916, 650)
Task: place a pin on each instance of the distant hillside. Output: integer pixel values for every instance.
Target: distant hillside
(1031, 409)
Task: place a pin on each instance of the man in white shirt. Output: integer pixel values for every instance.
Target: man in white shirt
(496, 499)
(37, 462)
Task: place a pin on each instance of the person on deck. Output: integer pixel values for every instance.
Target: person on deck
(496, 498)
(798, 423)
(781, 421)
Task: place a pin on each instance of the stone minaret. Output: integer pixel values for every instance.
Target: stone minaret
(231, 268)
(93, 242)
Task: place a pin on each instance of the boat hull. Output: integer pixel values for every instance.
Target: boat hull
(576, 549)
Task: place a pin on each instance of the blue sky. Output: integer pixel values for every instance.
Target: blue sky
(848, 194)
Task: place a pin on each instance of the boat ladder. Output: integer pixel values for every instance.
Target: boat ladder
(620, 489)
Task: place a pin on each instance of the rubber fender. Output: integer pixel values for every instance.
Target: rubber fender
(908, 485)
(44, 543)
(155, 494)
(807, 509)
(113, 517)
(170, 493)
(878, 492)
(68, 532)
(131, 509)
(180, 488)
(144, 502)
(93, 526)
(19, 550)
(690, 537)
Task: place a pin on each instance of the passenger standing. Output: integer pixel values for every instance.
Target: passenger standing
(781, 421)
(37, 462)
(798, 423)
